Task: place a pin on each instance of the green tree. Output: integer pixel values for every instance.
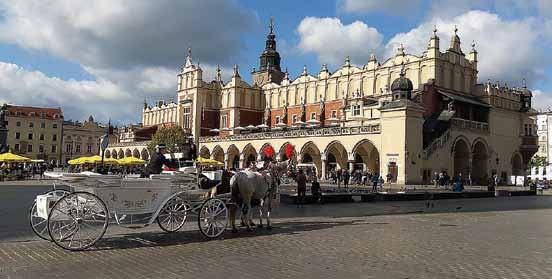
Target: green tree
(538, 161)
(170, 136)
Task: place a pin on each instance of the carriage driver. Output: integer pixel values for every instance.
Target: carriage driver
(157, 160)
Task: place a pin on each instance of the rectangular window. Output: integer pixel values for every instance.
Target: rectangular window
(16, 147)
(334, 113)
(54, 126)
(313, 115)
(41, 148)
(68, 148)
(42, 125)
(54, 148)
(41, 136)
(277, 119)
(18, 123)
(224, 121)
(78, 148)
(356, 110)
(31, 125)
(54, 137)
(89, 149)
(17, 135)
(30, 137)
(29, 148)
(186, 117)
(43, 114)
(294, 118)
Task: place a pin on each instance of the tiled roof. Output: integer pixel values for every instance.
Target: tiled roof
(49, 113)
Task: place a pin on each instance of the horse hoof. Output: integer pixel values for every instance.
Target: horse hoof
(260, 226)
(234, 230)
(269, 228)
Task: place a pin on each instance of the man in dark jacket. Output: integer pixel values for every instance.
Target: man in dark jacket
(301, 187)
(157, 160)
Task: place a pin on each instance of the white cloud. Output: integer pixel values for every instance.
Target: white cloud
(393, 7)
(541, 100)
(132, 48)
(509, 50)
(332, 41)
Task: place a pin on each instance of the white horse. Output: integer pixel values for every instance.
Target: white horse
(251, 185)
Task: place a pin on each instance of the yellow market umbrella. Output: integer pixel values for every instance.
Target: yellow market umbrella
(204, 161)
(96, 159)
(127, 161)
(10, 157)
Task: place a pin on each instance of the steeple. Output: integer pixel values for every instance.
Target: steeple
(218, 76)
(236, 71)
(270, 58)
(455, 42)
(473, 53)
(188, 58)
(433, 45)
(269, 61)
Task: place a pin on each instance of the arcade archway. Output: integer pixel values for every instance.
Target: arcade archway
(311, 154)
(233, 157)
(336, 156)
(479, 163)
(461, 158)
(366, 157)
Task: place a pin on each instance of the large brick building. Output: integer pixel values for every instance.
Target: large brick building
(409, 115)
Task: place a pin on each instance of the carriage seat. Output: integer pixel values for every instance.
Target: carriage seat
(206, 183)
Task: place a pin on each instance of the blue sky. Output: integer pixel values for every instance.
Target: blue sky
(104, 57)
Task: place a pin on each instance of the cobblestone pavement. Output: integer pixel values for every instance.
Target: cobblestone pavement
(330, 241)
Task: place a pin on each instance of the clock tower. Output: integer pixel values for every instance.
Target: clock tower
(269, 62)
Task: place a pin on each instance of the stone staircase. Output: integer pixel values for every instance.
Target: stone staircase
(437, 144)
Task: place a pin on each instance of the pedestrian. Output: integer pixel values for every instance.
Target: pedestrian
(375, 180)
(380, 182)
(301, 180)
(435, 179)
(316, 191)
(339, 177)
(346, 177)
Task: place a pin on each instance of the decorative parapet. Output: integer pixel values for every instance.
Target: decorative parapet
(126, 144)
(470, 124)
(319, 132)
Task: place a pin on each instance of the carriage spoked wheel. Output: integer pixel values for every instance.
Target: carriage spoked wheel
(213, 218)
(39, 225)
(77, 221)
(173, 214)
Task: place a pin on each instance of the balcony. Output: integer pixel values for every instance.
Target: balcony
(460, 123)
(297, 133)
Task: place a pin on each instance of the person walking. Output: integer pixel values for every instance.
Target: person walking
(375, 180)
(339, 177)
(346, 177)
(301, 180)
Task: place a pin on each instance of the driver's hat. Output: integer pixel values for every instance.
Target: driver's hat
(160, 146)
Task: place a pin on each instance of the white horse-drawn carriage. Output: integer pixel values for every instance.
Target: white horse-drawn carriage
(78, 218)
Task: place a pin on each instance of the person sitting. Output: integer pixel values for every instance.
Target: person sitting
(157, 160)
(316, 191)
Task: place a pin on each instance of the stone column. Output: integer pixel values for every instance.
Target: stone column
(350, 165)
(323, 170)
(226, 161)
(242, 163)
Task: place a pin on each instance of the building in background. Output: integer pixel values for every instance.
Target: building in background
(161, 113)
(407, 116)
(544, 120)
(35, 132)
(81, 139)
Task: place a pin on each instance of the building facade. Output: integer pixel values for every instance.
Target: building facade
(544, 120)
(161, 113)
(81, 139)
(35, 132)
(409, 116)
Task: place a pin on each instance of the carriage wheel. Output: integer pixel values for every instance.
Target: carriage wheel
(39, 225)
(213, 218)
(173, 214)
(77, 221)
